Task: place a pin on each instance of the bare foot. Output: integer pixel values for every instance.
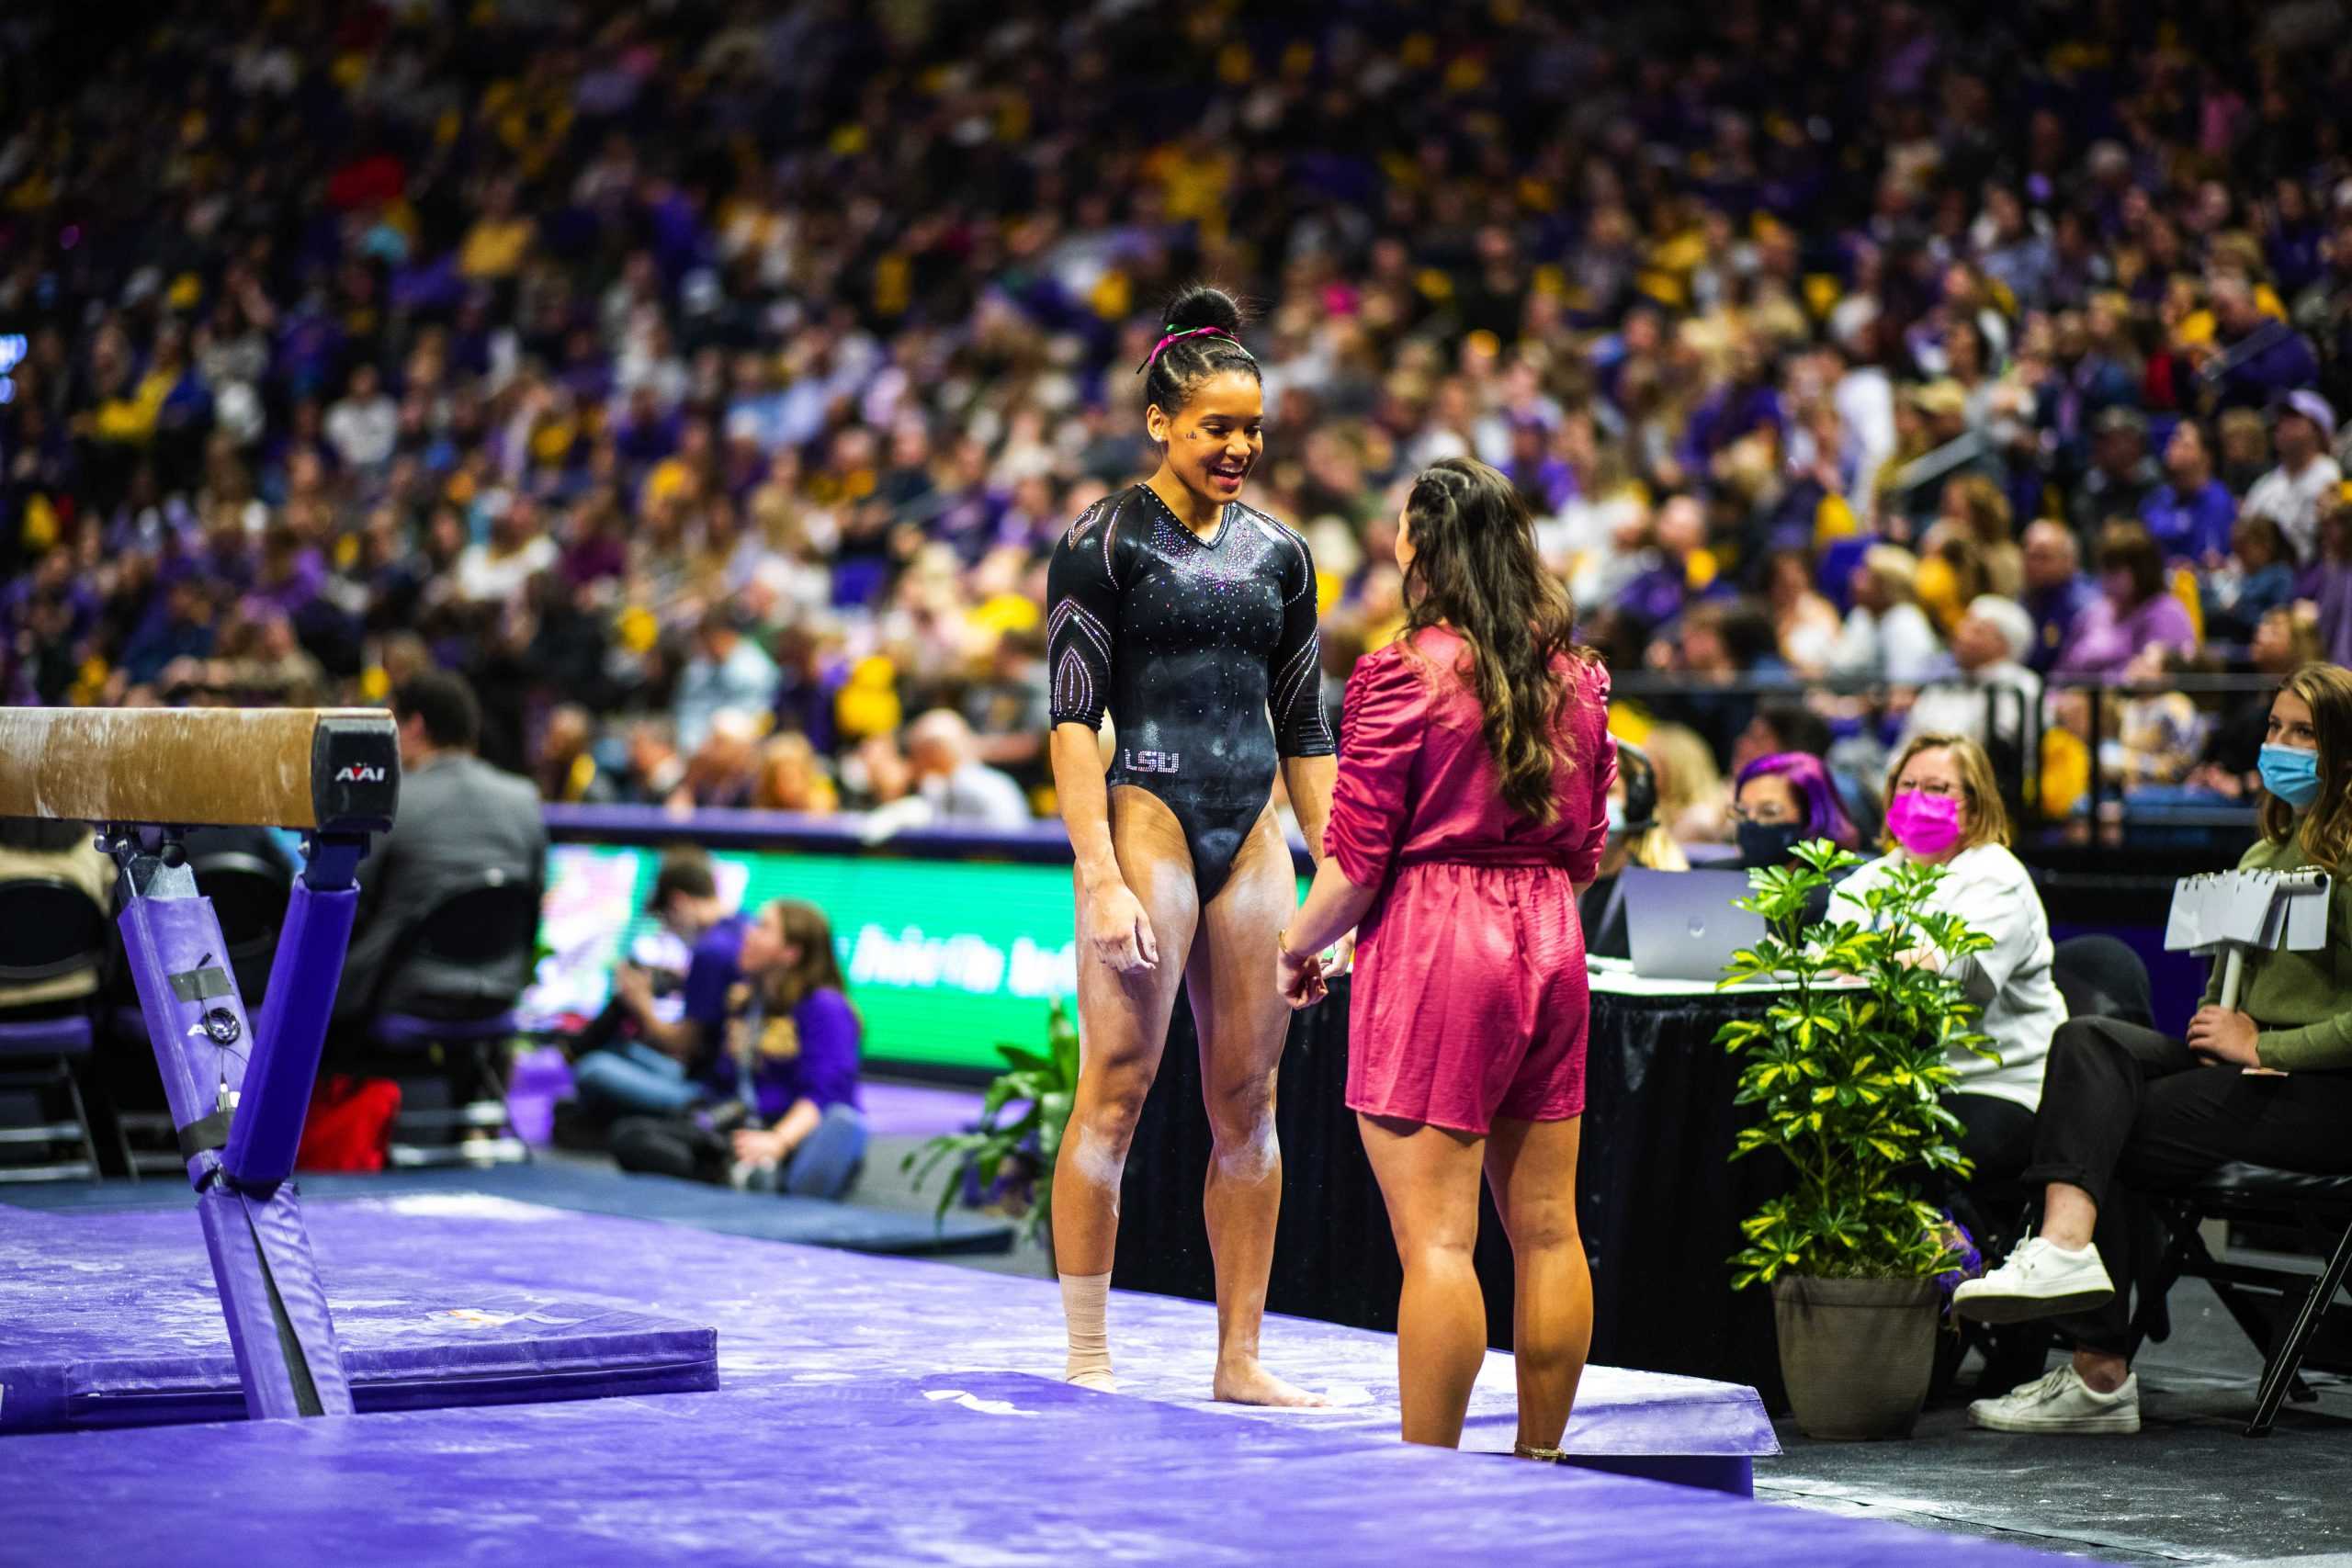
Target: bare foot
(1246, 1382)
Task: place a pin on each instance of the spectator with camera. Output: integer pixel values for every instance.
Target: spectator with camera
(651, 1049)
(785, 1116)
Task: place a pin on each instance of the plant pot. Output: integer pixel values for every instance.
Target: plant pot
(1857, 1354)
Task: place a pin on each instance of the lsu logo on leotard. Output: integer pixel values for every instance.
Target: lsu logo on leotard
(1150, 761)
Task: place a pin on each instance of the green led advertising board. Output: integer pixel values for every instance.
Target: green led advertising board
(944, 959)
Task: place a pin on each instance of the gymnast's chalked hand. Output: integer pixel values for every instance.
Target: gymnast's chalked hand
(1120, 931)
(1300, 980)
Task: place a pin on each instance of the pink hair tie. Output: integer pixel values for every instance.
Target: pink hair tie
(1158, 348)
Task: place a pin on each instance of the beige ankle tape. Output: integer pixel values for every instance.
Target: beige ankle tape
(1086, 1306)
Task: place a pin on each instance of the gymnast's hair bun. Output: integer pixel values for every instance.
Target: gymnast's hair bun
(1203, 306)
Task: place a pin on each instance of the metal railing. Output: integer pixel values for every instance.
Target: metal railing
(2019, 727)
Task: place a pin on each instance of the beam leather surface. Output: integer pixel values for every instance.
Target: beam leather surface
(315, 767)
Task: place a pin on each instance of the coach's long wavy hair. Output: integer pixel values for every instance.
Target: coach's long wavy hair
(1476, 570)
(2326, 826)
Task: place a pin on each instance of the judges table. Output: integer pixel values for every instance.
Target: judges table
(1660, 1201)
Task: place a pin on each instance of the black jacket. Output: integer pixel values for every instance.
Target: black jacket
(459, 817)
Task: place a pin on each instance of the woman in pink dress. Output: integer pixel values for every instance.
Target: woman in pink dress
(1471, 808)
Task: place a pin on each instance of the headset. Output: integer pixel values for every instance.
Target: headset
(1634, 766)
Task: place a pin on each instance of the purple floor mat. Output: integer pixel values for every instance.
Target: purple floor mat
(872, 1410)
(922, 1110)
(121, 1326)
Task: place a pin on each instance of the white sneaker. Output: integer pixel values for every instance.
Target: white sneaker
(2062, 1402)
(2039, 1279)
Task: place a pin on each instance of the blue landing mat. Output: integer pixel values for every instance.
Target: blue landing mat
(810, 1221)
(876, 1410)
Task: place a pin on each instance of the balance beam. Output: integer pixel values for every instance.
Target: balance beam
(331, 770)
(238, 1092)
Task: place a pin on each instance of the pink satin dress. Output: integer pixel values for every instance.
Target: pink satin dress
(1470, 998)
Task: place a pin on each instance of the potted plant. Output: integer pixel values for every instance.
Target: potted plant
(1006, 1160)
(1847, 1068)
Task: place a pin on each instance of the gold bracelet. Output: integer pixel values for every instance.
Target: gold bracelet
(1281, 945)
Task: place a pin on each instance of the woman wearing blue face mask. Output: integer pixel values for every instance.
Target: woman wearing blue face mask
(1943, 808)
(2125, 1108)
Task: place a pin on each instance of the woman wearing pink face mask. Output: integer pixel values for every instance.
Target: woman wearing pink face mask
(1944, 809)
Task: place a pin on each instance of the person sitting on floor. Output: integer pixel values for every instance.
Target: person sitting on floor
(2126, 1109)
(638, 1057)
(787, 1067)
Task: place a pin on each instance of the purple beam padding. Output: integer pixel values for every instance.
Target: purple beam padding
(285, 1063)
(269, 1287)
(280, 1330)
(162, 937)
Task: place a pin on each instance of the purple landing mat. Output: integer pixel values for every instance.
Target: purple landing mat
(874, 1410)
(116, 1323)
(788, 1316)
(917, 1111)
(971, 1470)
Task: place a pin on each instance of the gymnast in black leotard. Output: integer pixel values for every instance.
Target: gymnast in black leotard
(1190, 619)
(1190, 642)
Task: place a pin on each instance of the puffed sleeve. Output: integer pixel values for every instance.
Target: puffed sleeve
(1295, 693)
(1082, 616)
(1382, 720)
(1596, 769)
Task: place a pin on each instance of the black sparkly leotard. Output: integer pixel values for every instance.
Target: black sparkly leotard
(1191, 643)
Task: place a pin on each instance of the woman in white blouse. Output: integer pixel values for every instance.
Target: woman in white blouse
(1944, 809)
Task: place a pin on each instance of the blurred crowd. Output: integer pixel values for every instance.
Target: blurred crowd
(708, 383)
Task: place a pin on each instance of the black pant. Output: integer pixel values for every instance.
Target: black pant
(2126, 1111)
(1996, 1135)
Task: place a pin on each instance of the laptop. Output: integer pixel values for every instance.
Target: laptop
(1680, 925)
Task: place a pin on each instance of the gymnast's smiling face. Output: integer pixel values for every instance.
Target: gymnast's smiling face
(1216, 437)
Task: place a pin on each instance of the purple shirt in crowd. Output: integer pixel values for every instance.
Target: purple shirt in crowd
(2333, 588)
(2104, 642)
(711, 972)
(821, 1068)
